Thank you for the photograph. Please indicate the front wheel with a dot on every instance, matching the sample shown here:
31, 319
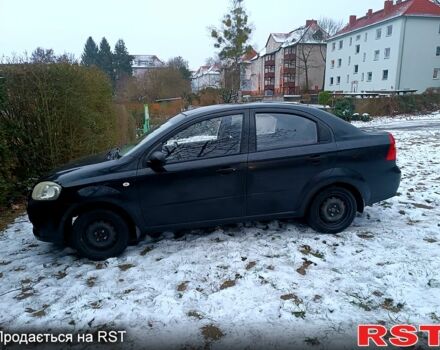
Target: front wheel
100, 234
332, 210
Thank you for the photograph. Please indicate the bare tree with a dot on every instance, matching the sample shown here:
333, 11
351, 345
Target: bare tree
330, 27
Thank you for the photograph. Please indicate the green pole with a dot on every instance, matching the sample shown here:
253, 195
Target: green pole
146, 126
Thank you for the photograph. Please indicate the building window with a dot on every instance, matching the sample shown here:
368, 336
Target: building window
438, 51
365, 56
387, 53
378, 33
358, 37
338, 80
351, 41
376, 55
341, 44
348, 78
369, 76
358, 49
356, 69
389, 30
331, 81
385, 74
362, 77
339, 62
436, 74
349, 60
333, 46
332, 64
366, 37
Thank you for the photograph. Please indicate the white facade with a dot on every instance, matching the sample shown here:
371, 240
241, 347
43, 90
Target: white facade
141, 64
399, 53
206, 76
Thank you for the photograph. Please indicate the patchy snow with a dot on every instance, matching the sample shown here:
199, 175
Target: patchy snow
243, 285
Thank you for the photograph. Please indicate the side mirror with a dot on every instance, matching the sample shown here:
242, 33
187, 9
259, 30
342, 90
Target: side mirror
156, 159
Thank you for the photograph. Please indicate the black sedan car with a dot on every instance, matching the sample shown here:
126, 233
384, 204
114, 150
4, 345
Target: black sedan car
218, 165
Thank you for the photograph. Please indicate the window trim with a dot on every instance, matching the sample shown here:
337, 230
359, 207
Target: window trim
244, 145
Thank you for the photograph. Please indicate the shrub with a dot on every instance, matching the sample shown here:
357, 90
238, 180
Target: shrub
324, 98
344, 108
51, 114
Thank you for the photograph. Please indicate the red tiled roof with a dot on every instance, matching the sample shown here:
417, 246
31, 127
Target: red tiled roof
400, 8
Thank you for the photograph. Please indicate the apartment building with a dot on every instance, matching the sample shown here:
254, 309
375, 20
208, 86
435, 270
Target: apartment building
290, 63
396, 48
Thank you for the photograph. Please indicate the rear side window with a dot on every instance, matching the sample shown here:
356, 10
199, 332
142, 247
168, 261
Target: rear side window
279, 130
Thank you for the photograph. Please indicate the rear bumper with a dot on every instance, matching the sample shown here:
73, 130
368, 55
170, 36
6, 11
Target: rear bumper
47, 221
385, 186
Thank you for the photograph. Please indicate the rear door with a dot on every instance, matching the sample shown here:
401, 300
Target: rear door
287, 151
204, 175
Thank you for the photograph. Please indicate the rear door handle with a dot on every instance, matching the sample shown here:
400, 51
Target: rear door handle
225, 171
315, 159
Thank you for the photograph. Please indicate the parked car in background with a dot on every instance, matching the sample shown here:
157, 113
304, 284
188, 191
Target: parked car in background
216, 165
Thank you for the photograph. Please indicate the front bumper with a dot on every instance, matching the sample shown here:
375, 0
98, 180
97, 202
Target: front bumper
48, 221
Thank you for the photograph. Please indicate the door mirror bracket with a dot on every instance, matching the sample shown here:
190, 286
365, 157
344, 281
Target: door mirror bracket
156, 160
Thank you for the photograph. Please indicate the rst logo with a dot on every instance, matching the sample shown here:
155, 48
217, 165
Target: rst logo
402, 335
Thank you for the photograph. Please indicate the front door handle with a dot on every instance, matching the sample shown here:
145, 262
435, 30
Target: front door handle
225, 171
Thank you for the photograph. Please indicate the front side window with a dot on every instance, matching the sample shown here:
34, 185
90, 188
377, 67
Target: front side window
358, 49
369, 76
209, 138
436, 74
385, 74
437, 52
278, 130
387, 52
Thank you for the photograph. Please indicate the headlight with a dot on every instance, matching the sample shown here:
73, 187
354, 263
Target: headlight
46, 191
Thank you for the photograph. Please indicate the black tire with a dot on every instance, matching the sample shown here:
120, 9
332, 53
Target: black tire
332, 210
99, 234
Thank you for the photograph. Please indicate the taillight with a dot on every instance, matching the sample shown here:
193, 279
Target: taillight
392, 152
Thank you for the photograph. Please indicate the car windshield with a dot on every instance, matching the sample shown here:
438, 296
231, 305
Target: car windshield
130, 149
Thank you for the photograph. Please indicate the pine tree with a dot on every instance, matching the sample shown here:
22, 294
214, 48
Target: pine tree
122, 60
105, 58
231, 38
90, 54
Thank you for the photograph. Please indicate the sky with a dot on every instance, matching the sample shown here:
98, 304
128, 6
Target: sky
165, 28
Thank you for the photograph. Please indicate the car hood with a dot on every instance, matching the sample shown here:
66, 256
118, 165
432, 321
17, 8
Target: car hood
89, 169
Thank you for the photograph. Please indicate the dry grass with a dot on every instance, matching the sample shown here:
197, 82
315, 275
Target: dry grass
212, 333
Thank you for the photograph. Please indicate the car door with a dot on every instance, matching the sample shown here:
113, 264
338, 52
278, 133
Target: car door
203, 179
287, 151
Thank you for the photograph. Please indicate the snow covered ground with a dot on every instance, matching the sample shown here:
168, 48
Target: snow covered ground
256, 285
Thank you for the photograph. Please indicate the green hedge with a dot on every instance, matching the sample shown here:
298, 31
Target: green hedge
51, 114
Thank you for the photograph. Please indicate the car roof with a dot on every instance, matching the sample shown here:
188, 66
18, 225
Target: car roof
230, 107
340, 127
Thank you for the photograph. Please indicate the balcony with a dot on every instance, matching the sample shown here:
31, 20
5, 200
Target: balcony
269, 75
269, 87
289, 70
289, 57
269, 63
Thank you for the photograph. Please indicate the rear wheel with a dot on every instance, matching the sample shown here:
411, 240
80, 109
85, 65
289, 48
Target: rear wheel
332, 210
100, 234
